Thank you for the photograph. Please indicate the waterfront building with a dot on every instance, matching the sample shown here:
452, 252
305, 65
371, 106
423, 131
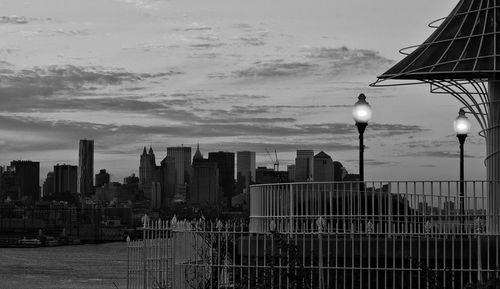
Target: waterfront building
304, 166
27, 174
146, 170
245, 166
9, 184
265, 175
168, 179
102, 178
339, 172
225, 164
182, 159
86, 167
323, 168
204, 187
65, 179
48, 185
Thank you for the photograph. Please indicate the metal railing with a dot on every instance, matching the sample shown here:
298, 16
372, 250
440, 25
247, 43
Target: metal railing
390, 235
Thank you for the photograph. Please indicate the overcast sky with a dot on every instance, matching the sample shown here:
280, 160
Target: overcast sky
228, 74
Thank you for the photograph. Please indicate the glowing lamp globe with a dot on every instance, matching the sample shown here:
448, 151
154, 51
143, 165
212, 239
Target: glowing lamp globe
462, 124
362, 112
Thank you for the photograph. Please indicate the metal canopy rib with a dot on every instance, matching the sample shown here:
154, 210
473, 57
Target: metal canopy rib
458, 58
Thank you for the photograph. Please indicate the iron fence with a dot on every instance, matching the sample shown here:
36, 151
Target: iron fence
379, 237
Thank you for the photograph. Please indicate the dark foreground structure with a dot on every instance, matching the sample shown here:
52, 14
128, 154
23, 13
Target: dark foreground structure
328, 235
462, 58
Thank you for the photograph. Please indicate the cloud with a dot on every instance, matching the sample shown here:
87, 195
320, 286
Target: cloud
43, 87
275, 68
439, 154
14, 20
279, 146
394, 129
349, 129
319, 61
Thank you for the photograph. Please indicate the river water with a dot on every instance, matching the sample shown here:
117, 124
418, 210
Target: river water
67, 267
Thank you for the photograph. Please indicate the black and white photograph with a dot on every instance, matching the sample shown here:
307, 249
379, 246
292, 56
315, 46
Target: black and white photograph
196, 144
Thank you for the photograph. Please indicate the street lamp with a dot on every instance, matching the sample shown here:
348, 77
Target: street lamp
362, 113
462, 128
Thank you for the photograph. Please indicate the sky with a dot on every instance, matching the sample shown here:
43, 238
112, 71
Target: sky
227, 74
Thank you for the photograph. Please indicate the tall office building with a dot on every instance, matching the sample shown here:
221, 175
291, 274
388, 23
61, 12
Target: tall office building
146, 170
304, 166
245, 166
168, 180
86, 168
323, 168
27, 174
65, 179
225, 164
204, 186
182, 159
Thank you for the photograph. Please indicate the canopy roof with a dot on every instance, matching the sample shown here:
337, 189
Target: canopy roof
465, 46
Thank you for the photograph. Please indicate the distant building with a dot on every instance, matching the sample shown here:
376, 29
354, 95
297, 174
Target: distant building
146, 170
323, 168
182, 159
339, 172
10, 184
265, 175
225, 164
448, 208
245, 166
168, 180
304, 166
156, 195
27, 174
102, 178
204, 186
86, 167
65, 179
48, 185
291, 173
131, 180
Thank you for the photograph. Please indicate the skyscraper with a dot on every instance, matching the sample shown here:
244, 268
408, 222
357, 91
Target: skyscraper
65, 179
323, 168
168, 180
146, 169
225, 164
204, 186
86, 167
27, 174
182, 156
304, 166
245, 166
28, 178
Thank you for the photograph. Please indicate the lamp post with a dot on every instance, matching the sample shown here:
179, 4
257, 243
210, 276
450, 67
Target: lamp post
362, 113
462, 127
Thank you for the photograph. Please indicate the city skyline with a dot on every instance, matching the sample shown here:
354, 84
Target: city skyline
228, 76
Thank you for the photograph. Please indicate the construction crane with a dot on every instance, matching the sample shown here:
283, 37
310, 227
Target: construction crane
276, 162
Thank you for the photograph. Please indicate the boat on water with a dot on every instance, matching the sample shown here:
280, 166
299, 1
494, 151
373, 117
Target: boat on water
29, 242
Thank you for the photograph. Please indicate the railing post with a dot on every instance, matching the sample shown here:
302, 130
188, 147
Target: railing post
144, 255
291, 208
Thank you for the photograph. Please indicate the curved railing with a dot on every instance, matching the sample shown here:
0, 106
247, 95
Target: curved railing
396, 207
